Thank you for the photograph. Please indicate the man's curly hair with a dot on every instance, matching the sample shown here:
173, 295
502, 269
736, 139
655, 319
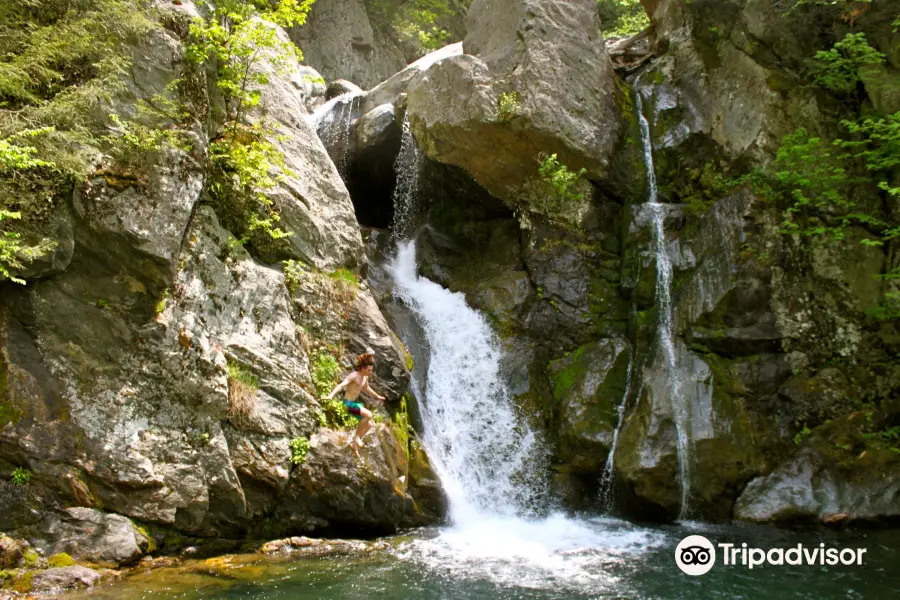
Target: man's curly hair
365, 360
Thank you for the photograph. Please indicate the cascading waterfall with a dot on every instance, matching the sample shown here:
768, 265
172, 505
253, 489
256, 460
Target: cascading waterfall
491, 464
407, 166
487, 456
333, 122
606, 481
680, 409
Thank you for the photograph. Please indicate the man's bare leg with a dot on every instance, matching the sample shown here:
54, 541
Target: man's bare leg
364, 425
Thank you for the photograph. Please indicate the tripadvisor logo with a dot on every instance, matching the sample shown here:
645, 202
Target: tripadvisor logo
695, 555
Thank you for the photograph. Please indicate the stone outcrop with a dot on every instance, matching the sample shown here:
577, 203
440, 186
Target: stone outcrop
340, 42
531, 51
162, 371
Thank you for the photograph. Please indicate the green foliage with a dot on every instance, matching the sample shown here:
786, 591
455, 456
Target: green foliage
236, 372
245, 168
345, 276
337, 415
238, 36
299, 449
838, 69
325, 373
622, 18
415, 22
813, 174
802, 435
561, 179
20, 476
61, 61
508, 107
293, 274
163, 302
556, 194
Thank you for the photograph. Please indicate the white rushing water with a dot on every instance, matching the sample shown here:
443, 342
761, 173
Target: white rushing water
333, 122
406, 166
607, 499
680, 409
492, 465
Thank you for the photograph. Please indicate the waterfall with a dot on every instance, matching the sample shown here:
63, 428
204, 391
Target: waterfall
487, 456
606, 487
333, 122
406, 166
679, 407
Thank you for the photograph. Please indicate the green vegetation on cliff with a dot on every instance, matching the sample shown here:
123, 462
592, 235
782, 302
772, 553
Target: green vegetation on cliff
619, 18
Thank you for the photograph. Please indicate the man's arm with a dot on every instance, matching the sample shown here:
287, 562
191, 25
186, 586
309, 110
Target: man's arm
340, 386
373, 393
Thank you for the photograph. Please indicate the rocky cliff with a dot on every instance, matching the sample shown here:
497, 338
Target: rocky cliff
784, 368
161, 372
159, 376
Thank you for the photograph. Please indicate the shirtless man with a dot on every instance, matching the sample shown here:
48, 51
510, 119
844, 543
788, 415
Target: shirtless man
356, 382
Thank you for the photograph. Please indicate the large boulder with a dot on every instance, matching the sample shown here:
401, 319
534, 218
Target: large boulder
550, 57
165, 373
92, 536
311, 199
834, 477
64, 578
340, 42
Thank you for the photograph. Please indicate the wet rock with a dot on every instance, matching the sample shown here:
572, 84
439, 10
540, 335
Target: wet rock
311, 86
589, 385
826, 484
340, 87
65, 578
320, 547
391, 90
431, 503
90, 535
453, 107
334, 489
724, 447
340, 42
12, 551
377, 128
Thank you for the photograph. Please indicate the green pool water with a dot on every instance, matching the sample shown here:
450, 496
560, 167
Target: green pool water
549, 559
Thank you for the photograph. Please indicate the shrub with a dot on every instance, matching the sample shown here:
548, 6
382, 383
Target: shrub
20, 476
620, 18
299, 449
508, 107
242, 388
838, 69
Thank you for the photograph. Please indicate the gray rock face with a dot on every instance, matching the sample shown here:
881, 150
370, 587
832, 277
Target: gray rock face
532, 49
811, 487
92, 536
65, 578
376, 128
589, 384
312, 200
118, 373
340, 42
391, 89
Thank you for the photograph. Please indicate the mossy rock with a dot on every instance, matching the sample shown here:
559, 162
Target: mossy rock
60, 560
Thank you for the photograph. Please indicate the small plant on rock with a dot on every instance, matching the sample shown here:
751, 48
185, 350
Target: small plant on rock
242, 388
508, 107
299, 449
20, 476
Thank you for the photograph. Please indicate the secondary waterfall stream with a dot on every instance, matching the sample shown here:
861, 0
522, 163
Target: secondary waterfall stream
333, 122
665, 333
